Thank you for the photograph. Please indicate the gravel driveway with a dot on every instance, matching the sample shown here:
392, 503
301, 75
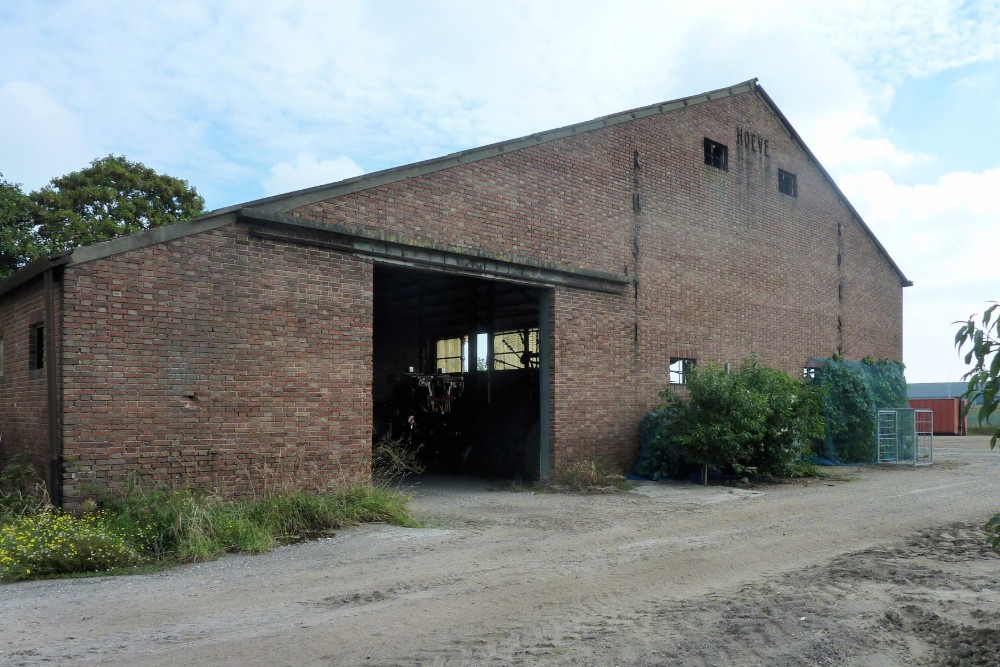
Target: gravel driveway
880, 567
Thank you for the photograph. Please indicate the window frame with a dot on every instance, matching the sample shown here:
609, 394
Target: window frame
716, 154
463, 355
788, 183
530, 354
36, 348
679, 376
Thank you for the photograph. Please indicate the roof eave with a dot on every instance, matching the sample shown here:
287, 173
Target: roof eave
282, 203
904, 281
33, 270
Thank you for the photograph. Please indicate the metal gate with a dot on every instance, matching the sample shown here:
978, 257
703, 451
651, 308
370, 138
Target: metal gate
906, 436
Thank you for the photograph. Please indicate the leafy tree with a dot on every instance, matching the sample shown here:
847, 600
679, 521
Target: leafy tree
18, 242
984, 378
984, 353
110, 198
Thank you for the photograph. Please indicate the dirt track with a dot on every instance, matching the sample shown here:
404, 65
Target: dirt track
885, 568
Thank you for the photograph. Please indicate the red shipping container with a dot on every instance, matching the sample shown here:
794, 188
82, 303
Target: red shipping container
948, 418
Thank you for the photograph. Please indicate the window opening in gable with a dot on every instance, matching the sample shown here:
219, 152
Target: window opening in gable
787, 183
680, 369
515, 349
36, 347
716, 154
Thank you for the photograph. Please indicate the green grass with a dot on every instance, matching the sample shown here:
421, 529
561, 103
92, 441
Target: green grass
158, 527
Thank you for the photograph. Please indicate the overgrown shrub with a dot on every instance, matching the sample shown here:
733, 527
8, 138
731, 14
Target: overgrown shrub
793, 420
393, 459
757, 420
20, 491
854, 392
189, 526
159, 525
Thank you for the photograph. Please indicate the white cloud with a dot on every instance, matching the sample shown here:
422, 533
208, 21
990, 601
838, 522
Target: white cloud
308, 172
896, 39
40, 133
944, 237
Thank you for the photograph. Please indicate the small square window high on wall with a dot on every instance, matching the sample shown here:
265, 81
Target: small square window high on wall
787, 183
680, 369
716, 154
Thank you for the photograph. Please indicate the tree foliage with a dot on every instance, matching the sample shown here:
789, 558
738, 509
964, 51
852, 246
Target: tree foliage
757, 420
854, 392
983, 339
18, 242
850, 408
110, 198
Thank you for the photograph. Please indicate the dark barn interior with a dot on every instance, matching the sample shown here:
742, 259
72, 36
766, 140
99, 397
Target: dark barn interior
456, 371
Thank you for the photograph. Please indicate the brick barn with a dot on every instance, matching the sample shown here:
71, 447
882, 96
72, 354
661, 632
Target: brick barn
526, 301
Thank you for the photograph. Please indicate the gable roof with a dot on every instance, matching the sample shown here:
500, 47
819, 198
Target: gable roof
274, 206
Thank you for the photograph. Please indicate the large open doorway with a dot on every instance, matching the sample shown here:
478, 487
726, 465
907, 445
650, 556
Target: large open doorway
459, 369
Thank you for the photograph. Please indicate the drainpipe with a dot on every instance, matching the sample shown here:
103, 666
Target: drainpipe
53, 394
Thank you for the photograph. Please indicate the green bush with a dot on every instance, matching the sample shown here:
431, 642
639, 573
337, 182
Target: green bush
50, 542
793, 421
757, 420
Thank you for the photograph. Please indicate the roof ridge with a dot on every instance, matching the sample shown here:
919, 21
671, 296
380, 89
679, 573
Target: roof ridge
306, 196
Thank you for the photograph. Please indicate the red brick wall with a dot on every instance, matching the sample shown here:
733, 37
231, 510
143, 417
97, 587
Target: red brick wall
230, 362
873, 315
23, 393
219, 361
595, 412
726, 266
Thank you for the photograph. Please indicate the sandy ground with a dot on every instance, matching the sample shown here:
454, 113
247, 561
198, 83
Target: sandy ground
884, 567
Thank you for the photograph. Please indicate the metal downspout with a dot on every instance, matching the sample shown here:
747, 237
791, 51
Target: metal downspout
51, 382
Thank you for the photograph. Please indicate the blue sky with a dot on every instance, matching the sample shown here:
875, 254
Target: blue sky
899, 100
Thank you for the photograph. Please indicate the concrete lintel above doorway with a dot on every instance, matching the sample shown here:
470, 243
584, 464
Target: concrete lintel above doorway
390, 249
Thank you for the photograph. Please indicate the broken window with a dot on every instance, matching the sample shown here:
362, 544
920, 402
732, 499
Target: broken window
452, 355
716, 154
36, 347
787, 183
515, 349
680, 369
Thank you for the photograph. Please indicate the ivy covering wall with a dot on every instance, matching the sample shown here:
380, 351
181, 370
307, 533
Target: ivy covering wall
853, 393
